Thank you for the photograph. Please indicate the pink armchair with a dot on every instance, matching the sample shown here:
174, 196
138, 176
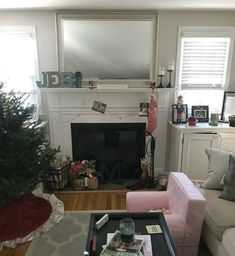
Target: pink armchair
183, 206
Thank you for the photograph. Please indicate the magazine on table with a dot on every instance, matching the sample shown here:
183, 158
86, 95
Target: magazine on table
115, 247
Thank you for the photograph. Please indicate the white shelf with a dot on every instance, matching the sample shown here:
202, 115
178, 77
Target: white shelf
203, 128
86, 90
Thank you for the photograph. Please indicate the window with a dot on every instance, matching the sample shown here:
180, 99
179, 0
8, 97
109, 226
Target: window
204, 60
204, 57
18, 60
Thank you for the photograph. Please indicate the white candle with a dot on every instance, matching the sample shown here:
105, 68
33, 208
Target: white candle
171, 66
161, 71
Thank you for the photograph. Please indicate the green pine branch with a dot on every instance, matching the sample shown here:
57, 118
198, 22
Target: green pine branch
24, 150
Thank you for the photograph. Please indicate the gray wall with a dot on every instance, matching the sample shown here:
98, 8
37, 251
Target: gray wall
45, 24
169, 21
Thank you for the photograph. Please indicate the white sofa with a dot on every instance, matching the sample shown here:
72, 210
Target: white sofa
218, 229
219, 190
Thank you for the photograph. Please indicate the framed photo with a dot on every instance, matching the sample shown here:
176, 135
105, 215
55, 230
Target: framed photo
99, 106
143, 110
201, 113
228, 107
179, 113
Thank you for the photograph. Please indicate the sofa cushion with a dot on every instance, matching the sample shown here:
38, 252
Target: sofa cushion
219, 213
228, 192
228, 241
218, 164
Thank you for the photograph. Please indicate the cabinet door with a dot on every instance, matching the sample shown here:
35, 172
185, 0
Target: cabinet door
227, 141
194, 158
175, 150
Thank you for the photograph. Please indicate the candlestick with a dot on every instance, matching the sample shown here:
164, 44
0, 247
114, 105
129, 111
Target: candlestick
169, 84
160, 84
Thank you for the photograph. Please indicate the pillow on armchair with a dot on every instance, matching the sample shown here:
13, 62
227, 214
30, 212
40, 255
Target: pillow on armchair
228, 192
218, 164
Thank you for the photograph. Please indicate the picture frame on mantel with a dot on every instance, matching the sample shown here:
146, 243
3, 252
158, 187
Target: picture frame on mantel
228, 107
201, 112
179, 116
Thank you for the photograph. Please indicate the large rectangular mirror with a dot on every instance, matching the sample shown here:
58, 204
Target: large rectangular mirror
109, 47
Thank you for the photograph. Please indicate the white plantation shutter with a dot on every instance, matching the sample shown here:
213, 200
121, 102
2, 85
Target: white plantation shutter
203, 62
204, 57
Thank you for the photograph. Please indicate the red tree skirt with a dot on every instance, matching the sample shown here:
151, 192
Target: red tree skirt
23, 216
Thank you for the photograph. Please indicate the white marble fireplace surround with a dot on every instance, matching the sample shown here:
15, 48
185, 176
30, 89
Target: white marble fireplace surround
64, 106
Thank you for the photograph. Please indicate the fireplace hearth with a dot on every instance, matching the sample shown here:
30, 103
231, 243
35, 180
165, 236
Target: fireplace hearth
116, 147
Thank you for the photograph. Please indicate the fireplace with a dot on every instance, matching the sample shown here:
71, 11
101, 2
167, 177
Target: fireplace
116, 147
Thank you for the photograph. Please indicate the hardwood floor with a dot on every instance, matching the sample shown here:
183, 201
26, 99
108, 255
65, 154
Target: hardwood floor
95, 200
83, 200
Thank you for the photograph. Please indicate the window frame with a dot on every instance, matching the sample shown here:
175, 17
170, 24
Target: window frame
205, 31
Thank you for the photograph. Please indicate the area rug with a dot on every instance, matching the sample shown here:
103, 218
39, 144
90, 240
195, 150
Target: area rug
66, 238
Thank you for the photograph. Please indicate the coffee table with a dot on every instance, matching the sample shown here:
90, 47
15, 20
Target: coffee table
162, 243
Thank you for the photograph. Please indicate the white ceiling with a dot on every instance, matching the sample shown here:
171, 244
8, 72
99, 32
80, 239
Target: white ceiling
118, 4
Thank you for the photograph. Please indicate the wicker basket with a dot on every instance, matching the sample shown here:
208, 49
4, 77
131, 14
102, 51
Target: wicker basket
57, 179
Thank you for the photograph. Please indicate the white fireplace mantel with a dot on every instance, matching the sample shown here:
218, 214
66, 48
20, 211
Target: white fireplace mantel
64, 106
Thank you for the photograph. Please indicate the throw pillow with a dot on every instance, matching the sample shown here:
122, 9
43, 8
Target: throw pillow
218, 164
228, 192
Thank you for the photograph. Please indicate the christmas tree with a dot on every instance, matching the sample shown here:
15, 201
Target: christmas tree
24, 150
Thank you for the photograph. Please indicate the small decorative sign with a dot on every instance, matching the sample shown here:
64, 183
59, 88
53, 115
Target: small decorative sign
54, 79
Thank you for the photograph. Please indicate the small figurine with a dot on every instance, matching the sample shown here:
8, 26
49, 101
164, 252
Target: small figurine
91, 85
179, 108
153, 85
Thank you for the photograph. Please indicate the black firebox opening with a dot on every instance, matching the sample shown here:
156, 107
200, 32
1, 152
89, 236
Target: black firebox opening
116, 147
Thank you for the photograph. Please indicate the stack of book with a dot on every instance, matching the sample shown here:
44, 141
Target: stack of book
141, 245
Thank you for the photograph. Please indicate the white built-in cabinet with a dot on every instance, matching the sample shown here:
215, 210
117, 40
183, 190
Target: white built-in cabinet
187, 146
